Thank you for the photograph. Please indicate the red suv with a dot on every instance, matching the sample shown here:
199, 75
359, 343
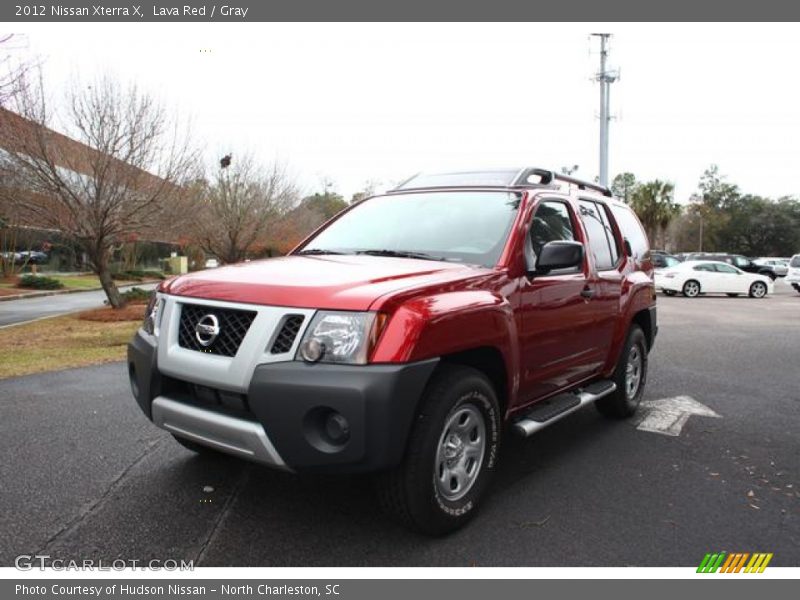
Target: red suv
407, 335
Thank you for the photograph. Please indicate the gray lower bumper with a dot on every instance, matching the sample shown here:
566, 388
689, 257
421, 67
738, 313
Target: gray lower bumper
245, 439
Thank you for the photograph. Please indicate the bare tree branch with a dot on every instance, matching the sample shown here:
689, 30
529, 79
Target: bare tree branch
238, 204
120, 173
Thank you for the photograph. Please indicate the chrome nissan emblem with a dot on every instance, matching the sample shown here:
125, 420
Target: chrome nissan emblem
207, 330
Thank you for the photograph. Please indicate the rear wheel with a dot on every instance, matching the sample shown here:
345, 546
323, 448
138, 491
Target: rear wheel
691, 289
758, 289
630, 377
451, 454
796, 287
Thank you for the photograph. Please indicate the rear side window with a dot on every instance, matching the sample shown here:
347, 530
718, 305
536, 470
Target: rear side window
725, 269
705, 267
601, 236
631, 231
795, 262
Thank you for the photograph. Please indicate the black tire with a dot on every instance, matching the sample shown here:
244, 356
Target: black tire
669, 292
758, 289
796, 287
411, 492
622, 404
691, 289
733, 295
198, 449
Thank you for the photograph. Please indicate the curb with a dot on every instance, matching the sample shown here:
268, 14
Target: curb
62, 292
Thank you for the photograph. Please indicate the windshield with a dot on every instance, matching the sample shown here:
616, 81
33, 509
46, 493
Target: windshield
461, 226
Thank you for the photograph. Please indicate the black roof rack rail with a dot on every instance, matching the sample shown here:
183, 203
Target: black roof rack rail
548, 176
518, 178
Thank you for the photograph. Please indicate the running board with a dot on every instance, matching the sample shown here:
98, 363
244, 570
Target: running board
549, 411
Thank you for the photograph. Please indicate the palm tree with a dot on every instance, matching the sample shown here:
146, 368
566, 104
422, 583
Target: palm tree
654, 205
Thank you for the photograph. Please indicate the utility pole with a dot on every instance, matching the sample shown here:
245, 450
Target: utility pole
605, 78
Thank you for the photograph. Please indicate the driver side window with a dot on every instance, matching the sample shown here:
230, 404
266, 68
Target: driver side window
551, 223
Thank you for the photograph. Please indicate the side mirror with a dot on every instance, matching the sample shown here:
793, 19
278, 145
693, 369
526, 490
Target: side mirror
559, 255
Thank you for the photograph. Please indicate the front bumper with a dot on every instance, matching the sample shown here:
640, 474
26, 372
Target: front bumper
284, 420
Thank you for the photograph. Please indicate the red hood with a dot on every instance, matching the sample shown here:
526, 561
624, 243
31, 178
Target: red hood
334, 282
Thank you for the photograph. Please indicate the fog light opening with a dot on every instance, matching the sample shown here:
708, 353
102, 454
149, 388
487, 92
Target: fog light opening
337, 428
326, 429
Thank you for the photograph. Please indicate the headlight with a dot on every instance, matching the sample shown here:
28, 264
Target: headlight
341, 337
151, 313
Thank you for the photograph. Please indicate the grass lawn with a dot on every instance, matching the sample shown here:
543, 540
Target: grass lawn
83, 282
64, 342
70, 282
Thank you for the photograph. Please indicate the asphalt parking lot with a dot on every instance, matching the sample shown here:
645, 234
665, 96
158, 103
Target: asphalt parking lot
85, 475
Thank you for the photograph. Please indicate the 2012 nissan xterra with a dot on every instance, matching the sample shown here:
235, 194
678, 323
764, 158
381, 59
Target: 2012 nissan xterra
407, 335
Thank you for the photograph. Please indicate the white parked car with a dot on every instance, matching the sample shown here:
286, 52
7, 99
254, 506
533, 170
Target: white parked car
793, 276
695, 277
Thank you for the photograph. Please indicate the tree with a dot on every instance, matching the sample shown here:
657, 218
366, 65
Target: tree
624, 185
368, 190
654, 205
326, 204
12, 73
237, 206
119, 172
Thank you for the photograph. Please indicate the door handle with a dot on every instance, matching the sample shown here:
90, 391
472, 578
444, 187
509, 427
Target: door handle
587, 292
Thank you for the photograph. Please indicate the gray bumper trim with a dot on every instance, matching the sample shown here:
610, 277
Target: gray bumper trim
241, 438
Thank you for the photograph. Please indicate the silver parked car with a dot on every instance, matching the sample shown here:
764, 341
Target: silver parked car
779, 266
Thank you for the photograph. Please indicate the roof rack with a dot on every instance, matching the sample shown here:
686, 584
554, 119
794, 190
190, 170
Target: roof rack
492, 178
548, 176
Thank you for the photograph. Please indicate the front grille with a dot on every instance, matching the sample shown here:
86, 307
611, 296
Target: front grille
233, 325
287, 334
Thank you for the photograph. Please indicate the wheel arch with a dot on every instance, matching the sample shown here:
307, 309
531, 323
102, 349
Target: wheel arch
488, 360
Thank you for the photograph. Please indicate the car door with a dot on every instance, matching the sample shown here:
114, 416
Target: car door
706, 274
730, 279
557, 325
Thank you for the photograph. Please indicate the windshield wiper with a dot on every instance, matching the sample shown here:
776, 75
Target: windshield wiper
401, 254
317, 251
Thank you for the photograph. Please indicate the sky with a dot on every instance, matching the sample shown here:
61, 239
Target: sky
358, 103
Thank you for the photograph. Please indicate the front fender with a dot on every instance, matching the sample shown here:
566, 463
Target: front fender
450, 322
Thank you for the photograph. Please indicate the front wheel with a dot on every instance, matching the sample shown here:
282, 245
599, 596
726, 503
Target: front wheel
451, 454
758, 289
691, 289
630, 377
